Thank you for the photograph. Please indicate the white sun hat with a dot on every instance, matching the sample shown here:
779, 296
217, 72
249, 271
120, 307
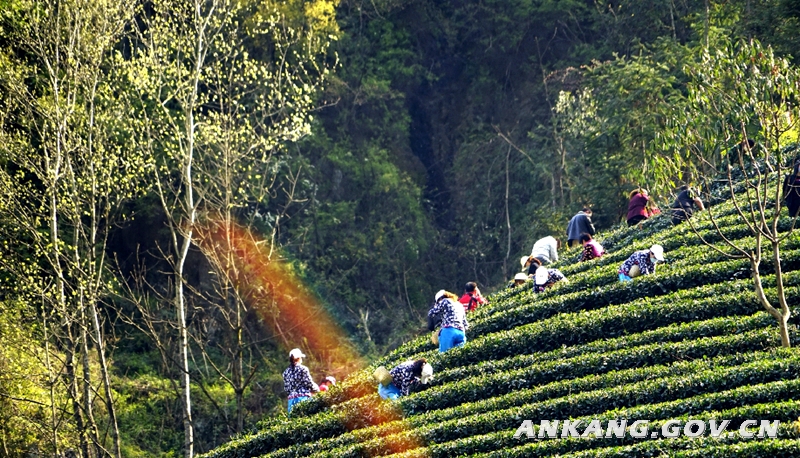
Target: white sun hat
296, 354
427, 373
658, 252
541, 275
439, 295
521, 276
523, 260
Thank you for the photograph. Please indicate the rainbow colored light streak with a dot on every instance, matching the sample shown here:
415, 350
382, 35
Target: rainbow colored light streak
292, 311
272, 288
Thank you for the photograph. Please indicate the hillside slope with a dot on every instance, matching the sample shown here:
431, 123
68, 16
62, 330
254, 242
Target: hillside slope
690, 342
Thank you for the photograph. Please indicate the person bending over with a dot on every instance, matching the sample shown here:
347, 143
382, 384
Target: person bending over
642, 262
454, 320
403, 377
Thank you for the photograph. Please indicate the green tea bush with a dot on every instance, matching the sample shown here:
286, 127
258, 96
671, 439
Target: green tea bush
668, 334
506, 445
522, 396
689, 342
587, 403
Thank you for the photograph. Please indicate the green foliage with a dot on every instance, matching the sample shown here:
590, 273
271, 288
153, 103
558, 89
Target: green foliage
147, 409
680, 344
25, 398
448, 139
739, 90
665, 335
365, 234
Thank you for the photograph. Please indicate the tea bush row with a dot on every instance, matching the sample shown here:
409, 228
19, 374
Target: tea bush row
417, 416
567, 329
574, 328
302, 430
668, 334
701, 409
586, 403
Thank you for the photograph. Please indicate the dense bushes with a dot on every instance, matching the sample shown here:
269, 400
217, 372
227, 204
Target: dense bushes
688, 342
588, 403
672, 333
419, 417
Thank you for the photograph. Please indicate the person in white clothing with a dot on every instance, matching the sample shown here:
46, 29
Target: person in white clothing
546, 249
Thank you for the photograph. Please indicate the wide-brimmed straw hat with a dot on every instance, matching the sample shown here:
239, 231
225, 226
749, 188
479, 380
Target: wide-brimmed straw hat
382, 376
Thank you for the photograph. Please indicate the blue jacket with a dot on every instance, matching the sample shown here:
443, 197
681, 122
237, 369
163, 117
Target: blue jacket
579, 224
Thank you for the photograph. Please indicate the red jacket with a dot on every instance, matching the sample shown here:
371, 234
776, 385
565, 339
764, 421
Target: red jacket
471, 302
638, 206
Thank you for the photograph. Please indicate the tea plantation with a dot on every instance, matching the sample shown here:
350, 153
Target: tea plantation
690, 342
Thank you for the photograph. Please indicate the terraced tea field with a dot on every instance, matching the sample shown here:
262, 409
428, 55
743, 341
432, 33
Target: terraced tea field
690, 342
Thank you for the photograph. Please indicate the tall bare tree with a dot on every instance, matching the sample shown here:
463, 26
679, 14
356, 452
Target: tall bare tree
68, 176
744, 110
213, 116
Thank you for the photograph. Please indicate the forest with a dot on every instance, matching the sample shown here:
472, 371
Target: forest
190, 188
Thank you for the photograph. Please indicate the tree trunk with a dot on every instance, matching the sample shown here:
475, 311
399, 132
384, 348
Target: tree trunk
238, 364
88, 410
54, 161
762, 297
51, 381
179, 279
109, 399
783, 324
96, 269
72, 391
785, 312
508, 217
83, 348
180, 304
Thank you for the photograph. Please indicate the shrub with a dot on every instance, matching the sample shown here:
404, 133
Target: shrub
587, 403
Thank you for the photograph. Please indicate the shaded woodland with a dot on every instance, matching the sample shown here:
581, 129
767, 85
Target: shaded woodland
159, 157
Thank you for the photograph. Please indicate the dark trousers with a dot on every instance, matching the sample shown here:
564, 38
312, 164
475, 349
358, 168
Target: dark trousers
636, 220
793, 204
680, 215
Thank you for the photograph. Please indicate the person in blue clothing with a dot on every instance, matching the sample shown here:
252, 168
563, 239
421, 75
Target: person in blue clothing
404, 376
642, 262
297, 380
579, 224
454, 320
